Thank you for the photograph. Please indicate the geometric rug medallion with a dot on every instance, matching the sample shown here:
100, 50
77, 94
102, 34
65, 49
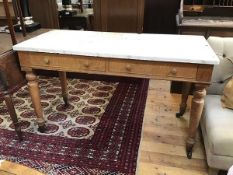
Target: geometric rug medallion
98, 133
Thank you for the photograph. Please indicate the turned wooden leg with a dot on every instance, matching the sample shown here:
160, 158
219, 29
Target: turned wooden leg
35, 95
185, 93
13, 115
62, 76
195, 116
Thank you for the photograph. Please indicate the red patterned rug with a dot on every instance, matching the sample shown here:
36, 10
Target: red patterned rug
98, 133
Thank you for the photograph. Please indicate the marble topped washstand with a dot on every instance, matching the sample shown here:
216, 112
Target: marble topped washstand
170, 57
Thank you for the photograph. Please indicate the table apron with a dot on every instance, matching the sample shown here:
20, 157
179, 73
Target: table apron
196, 73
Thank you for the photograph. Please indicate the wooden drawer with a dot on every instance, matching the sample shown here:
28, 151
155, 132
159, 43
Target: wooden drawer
135, 67
122, 67
181, 70
56, 61
153, 69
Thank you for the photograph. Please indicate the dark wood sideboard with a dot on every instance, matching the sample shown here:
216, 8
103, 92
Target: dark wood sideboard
45, 12
207, 18
192, 26
119, 16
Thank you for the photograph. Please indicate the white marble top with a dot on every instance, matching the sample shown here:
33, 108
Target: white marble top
151, 47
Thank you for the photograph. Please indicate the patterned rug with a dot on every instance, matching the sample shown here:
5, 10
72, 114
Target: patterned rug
98, 133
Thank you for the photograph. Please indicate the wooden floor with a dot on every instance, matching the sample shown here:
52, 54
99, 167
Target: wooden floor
9, 168
162, 149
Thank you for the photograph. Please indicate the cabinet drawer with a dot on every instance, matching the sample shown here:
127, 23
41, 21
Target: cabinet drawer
181, 70
56, 61
153, 69
135, 67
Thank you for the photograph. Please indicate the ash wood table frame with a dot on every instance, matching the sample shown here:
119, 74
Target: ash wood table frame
199, 74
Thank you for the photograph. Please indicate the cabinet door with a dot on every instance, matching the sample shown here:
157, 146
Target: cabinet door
119, 15
45, 12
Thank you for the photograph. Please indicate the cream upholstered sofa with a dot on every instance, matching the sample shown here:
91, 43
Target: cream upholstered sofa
217, 122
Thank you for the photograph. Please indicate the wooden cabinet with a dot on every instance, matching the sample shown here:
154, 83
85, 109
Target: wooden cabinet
45, 12
209, 27
119, 15
207, 18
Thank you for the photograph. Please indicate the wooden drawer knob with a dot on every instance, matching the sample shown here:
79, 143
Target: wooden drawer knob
86, 65
46, 61
173, 71
128, 67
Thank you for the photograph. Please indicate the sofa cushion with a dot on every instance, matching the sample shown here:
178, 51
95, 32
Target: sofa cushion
222, 72
218, 123
227, 98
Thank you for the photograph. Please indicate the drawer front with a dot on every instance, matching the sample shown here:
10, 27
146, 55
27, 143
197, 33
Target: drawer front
135, 67
109, 66
181, 70
71, 63
165, 70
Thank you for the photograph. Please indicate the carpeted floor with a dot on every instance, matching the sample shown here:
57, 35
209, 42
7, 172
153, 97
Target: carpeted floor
98, 133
